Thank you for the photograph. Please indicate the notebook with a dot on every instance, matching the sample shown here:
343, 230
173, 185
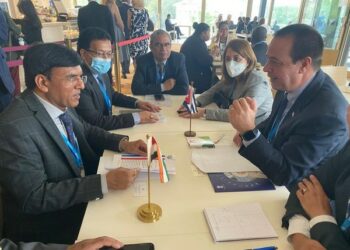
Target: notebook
238, 222
200, 142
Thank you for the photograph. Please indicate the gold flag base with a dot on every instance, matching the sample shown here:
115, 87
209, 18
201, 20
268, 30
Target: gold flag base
149, 213
190, 133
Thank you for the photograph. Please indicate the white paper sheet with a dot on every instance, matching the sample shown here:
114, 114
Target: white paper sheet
222, 158
239, 222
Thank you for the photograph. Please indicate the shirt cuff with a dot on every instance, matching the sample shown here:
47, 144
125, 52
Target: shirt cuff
124, 139
162, 87
298, 224
104, 186
136, 102
322, 218
137, 118
247, 143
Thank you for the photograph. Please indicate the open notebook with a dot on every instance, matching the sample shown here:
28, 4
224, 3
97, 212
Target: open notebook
238, 222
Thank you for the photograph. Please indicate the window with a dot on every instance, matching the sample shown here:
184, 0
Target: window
284, 13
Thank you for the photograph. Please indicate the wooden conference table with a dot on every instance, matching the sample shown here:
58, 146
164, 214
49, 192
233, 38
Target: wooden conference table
183, 198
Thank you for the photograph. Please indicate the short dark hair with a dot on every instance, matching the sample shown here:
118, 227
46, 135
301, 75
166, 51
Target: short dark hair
91, 34
199, 28
307, 42
41, 58
259, 34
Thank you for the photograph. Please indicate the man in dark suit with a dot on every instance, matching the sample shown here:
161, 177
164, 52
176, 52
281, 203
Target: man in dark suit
49, 157
259, 44
307, 124
161, 70
96, 15
311, 222
6, 84
96, 100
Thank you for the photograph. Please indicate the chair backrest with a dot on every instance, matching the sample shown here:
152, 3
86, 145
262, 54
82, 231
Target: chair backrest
329, 56
337, 73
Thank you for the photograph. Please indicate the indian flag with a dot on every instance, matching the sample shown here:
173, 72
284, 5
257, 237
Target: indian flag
153, 152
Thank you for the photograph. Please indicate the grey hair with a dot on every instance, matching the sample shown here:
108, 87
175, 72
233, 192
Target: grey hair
158, 33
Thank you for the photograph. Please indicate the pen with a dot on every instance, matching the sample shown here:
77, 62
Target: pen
219, 139
181, 111
263, 248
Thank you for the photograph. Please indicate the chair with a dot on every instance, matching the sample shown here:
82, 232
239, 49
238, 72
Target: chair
173, 34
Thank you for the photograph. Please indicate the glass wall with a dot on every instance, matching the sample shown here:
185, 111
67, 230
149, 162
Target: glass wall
183, 13
284, 13
256, 8
236, 8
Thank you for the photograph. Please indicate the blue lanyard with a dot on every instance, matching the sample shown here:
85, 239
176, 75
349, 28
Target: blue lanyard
106, 98
75, 151
345, 226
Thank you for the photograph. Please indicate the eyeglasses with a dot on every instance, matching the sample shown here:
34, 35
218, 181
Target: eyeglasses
76, 78
101, 54
162, 45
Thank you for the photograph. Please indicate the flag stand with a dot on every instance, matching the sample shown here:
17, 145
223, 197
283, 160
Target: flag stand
190, 133
149, 212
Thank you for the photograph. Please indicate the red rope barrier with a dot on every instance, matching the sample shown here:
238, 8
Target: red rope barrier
134, 40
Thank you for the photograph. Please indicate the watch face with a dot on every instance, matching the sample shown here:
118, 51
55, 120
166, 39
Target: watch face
240, 181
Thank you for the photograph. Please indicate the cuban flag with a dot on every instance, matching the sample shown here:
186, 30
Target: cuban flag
190, 101
153, 152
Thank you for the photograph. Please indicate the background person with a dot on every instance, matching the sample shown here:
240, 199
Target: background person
137, 24
123, 9
160, 71
240, 79
219, 42
198, 59
259, 44
30, 25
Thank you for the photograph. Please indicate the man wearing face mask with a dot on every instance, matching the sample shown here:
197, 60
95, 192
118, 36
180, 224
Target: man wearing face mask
96, 100
240, 79
307, 124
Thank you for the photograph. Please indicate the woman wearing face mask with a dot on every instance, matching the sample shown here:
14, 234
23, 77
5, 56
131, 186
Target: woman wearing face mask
240, 79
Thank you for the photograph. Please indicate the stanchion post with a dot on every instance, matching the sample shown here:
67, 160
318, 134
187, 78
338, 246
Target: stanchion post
117, 68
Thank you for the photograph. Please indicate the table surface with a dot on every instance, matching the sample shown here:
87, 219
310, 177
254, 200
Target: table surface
182, 199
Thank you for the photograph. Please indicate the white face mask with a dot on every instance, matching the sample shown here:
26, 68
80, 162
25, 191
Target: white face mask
235, 68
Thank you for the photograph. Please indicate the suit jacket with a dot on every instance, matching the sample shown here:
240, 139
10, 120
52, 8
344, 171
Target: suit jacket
145, 78
260, 50
43, 194
334, 177
7, 244
198, 63
256, 86
93, 109
96, 15
313, 130
123, 9
6, 84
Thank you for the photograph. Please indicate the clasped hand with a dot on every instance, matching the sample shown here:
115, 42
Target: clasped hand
242, 114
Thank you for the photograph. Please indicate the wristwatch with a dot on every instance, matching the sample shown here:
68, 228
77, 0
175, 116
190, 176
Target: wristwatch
250, 134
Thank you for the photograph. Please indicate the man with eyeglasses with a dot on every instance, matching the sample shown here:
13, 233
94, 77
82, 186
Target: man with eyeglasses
98, 97
49, 157
160, 71
307, 124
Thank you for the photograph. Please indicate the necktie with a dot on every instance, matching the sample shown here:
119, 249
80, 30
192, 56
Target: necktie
160, 72
68, 124
278, 119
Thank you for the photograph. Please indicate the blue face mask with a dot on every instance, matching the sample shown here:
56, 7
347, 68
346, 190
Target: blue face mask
101, 65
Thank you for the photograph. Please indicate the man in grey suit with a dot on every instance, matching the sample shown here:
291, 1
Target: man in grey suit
49, 157
307, 124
